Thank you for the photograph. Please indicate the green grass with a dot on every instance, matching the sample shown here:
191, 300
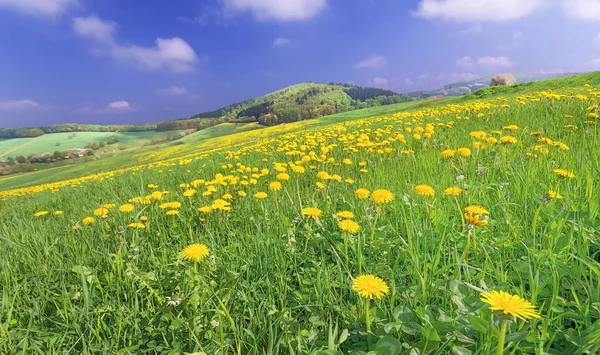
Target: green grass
47, 142
278, 282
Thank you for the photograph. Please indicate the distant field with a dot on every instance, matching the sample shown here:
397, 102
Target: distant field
47, 142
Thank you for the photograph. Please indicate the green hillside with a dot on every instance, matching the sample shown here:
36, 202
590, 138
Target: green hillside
307, 100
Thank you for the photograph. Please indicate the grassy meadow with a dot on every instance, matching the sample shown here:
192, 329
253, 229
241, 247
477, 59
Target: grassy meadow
347, 235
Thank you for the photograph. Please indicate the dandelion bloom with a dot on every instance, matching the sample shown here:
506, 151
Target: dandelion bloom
563, 173
349, 226
101, 212
275, 186
40, 213
448, 153
362, 193
152, 186
241, 193
126, 208
382, 196
195, 252
283, 176
189, 193
320, 185
475, 220
88, 220
511, 127
260, 195
476, 210
227, 197
508, 140
510, 304
205, 209
75, 227
58, 213
478, 145
424, 190
370, 286
137, 225
345, 214
171, 205
312, 212
453, 191
144, 219
465, 152
347, 161
172, 212
554, 195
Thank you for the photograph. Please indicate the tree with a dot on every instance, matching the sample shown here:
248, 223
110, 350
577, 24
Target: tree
21, 159
101, 144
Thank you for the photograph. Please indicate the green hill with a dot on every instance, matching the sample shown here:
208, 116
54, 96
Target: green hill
305, 101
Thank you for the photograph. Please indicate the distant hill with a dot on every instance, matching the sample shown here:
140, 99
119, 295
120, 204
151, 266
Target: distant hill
467, 87
305, 101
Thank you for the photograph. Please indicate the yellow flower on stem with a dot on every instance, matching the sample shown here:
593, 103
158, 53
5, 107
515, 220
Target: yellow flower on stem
195, 252
368, 287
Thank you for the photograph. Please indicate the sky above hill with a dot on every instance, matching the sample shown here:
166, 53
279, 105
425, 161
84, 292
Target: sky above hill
111, 61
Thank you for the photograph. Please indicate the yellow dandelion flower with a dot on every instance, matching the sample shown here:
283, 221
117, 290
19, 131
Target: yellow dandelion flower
312, 212
465, 152
506, 303
40, 213
241, 193
475, 220
283, 176
137, 225
144, 219
170, 205
275, 186
381, 196
126, 207
320, 185
75, 227
345, 214
453, 191
88, 220
424, 190
370, 286
508, 140
189, 193
476, 210
448, 153
511, 127
195, 252
349, 226
58, 213
260, 195
101, 212
172, 212
205, 209
554, 195
563, 173
362, 193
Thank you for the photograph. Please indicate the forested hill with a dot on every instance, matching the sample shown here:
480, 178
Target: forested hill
306, 101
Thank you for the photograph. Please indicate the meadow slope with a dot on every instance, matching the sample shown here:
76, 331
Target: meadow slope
379, 235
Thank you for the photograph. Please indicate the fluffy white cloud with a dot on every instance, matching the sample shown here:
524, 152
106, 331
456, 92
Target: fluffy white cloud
374, 61
38, 7
17, 104
583, 9
172, 91
478, 10
279, 10
119, 105
377, 81
281, 41
173, 54
486, 62
93, 27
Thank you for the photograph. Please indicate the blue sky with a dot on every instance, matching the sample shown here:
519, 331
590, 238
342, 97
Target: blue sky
115, 61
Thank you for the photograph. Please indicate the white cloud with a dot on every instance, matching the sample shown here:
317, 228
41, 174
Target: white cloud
583, 9
119, 105
478, 10
408, 82
278, 10
39, 7
173, 54
173, 91
486, 62
374, 61
17, 104
93, 27
281, 41
377, 81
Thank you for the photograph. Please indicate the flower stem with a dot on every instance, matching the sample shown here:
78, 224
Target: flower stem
502, 337
367, 318
468, 245
375, 223
346, 247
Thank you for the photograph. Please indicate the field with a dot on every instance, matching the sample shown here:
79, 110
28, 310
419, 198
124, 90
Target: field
47, 142
387, 234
